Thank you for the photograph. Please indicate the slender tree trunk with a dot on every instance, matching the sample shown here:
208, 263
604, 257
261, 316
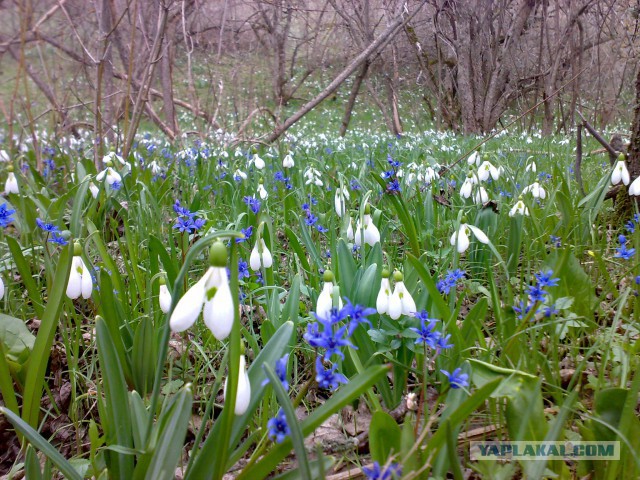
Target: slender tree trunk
352, 98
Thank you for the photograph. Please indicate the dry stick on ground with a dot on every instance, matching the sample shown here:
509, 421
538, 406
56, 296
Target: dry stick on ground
445, 169
379, 43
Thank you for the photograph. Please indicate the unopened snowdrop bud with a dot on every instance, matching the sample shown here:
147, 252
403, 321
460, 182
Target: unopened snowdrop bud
467, 186
164, 296
382, 301
243, 395
11, 185
258, 162
325, 299
474, 158
80, 281
519, 209
262, 191
287, 161
94, 190
620, 173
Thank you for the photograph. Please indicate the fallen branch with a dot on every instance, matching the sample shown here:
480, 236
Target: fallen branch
612, 151
379, 43
577, 168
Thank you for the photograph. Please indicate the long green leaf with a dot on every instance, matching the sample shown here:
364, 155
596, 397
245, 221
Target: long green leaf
39, 359
35, 294
41, 444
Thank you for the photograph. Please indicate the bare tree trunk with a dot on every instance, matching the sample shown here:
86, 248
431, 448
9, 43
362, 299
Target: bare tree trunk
357, 83
166, 78
104, 98
633, 158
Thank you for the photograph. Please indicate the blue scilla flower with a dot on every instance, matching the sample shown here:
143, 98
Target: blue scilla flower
5, 215
47, 227
243, 269
182, 211
328, 379
253, 203
278, 427
321, 229
536, 293
426, 333
357, 314
457, 379
630, 226
281, 372
545, 279
246, 232
57, 239
624, 252
115, 186
376, 472
331, 339
522, 310
393, 186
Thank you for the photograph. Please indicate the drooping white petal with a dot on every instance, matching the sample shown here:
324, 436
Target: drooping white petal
357, 237
465, 189
474, 158
481, 196
218, 312
371, 232
243, 395
382, 300
459, 239
262, 192
87, 281
94, 190
620, 173
254, 258
164, 298
325, 301
634, 188
408, 304
258, 162
479, 234
74, 285
350, 235
190, 305
1, 288
101, 175
395, 304
11, 185
287, 161
267, 258
519, 209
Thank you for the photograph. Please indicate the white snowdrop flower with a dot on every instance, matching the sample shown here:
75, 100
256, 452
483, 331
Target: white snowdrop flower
155, 168
164, 296
11, 185
474, 159
481, 196
94, 190
486, 170
634, 188
531, 167
258, 162
325, 299
4, 156
211, 295
262, 191
80, 281
430, 175
408, 305
1, 288
260, 256
519, 209
350, 235
466, 188
620, 173
243, 395
287, 161
371, 232
460, 238
110, 174
340, 201
239, 174
113, 156
536, 190
382, 300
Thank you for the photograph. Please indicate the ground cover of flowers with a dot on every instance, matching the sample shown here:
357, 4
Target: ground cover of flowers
367, 304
